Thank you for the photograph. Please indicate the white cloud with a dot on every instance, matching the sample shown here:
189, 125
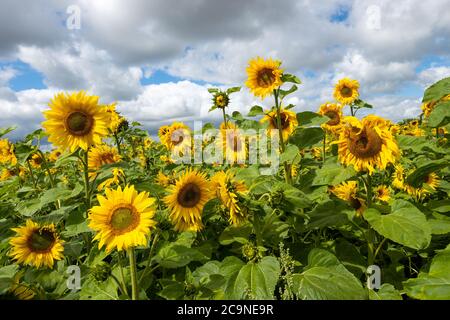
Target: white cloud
429, 76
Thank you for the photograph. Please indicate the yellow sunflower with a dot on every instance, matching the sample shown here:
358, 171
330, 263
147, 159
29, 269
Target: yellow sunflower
382, 193
221, 100
346, 91
228, 190
288, 122
20, 290
428, 107
100, 156
76, 120
162, 179
429, 185
13, 172
163, 134
36, 245
54, 155
347, 192
114, 118
334, 112
36, 161
148, 142
228, 125
367, 144
264, 76
186, 200
178, 139
7, 152
123, 219
234, 145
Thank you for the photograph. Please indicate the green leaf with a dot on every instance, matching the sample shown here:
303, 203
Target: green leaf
255, 111
286, 77
213, 90
233, 89
76, 224
238, 234
306, 137
290, 154
309, 118
94, 290
386, 292
440, 115
325, 278
331, 213
293, 195
406, 225
237, 116
6, 131
438, 90
172, 291
254, 280
416, 178
284, 93
362, 104
332, 174
6, 277
434, 285
214, 107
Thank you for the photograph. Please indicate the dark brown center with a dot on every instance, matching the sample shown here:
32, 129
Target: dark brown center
189, 195
124, 219
79, 123
366, 144
41, 240
355, 203
265, 77
346, 92
334, 118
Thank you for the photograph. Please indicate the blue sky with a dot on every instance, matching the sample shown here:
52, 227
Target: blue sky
157, 58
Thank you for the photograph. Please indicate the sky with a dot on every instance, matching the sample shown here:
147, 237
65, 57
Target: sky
157, 58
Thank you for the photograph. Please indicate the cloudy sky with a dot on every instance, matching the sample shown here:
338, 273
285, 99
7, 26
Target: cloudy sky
157, 58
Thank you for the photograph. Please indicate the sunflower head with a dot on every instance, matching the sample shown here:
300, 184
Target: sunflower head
228, 189
368, 144
7, 155
288, 121
382, 193
346, 91
75, 120
122, 219
264, 76
334, 112
114, 118
100, 156
36, 160
36, 245
178, 138
347, 191
234, 145
221, 100
186, 200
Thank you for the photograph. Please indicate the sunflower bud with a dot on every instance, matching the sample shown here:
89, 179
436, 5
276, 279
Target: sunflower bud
101, 271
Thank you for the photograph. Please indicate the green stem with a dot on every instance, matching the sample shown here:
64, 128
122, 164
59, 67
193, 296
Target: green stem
379, 248
352, 112
133, 273
324, 147
50, 176
120, 285
119, 259
150, 256
224, 118
287, 167
86, 179
32, 174
437, 133
118, 143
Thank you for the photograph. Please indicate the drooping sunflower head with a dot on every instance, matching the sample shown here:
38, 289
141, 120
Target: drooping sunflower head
288, 122
264, 76
36, 245
7, 152
75, 120
221, 99
186, 200
123, 219
428, 107
382, 193
347, 191
228, 189
368, 144
346, 91
100, 156
428, 186
334, 112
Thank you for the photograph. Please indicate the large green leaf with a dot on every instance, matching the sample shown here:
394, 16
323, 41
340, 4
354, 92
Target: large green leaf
254, 280
406, 225
6, 277
325, 278
436, 91
434, 285
306, 137
332, 174
330, 214
440, 115
309, 118
386, 292
416, 178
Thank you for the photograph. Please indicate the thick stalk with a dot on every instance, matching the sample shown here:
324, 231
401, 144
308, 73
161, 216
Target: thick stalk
133, 273
224, 118
117, 143
86, 179
287, 167
352, 111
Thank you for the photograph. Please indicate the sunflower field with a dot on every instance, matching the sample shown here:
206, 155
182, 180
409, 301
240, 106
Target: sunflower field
345, 207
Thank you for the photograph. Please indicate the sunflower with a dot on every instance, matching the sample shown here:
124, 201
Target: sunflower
163, 134
76, 120
148, 142
428, 107
178, 138
228, 190
367, 144
334, 112
429, 185
228, 125
346, 91
382, 193
186, 200
347, 192
36, 245
264, 76
221, 100
163, 180
36, 161
288, 122
7, 152
123, 219
114, 118
100, 156
234, 145
13, 172
54, 155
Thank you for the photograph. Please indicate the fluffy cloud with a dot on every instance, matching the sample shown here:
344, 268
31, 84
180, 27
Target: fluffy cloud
429, 76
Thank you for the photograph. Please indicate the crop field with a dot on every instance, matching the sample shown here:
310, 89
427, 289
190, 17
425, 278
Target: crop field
269, 204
